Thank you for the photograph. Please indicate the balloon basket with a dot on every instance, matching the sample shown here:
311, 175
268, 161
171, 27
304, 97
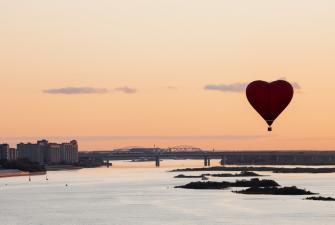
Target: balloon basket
269, 129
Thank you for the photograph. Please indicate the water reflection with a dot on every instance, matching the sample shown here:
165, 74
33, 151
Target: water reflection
139, 193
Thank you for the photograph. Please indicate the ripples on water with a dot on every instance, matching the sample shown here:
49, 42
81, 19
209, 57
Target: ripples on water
139, 194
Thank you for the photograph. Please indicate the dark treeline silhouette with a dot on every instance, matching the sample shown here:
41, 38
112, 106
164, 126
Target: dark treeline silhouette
23, 165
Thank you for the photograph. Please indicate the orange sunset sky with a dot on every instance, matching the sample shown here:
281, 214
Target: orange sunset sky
124, 73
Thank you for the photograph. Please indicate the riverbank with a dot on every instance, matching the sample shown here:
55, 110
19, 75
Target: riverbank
63, 168
19, 173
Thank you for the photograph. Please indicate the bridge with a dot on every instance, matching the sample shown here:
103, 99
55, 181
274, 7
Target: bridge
226, 157
156, 157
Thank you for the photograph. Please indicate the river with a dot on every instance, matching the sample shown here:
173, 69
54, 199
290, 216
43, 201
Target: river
140, 194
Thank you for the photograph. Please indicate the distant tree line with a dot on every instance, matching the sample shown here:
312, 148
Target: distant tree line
23, 165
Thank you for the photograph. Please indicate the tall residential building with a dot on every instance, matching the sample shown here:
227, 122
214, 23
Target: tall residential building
4, 152
53, 154
32, 152
69, 152
7, 153
12, 154
44, 152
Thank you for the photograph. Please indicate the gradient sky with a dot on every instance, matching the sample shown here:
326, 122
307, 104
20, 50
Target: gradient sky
125, 73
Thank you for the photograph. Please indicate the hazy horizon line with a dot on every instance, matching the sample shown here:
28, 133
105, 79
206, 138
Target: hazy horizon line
140, 137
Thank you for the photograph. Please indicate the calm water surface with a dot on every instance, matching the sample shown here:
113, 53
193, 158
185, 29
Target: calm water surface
138, 193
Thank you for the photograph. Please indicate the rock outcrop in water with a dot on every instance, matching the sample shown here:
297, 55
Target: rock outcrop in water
275, 191
223, 185
187, 176
319, 198
241, 174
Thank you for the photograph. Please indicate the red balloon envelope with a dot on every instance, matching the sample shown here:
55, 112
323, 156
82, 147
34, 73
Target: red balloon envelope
270, 99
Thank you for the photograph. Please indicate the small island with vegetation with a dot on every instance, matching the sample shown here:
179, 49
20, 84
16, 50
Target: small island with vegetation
224, 184
275, 191
319, 198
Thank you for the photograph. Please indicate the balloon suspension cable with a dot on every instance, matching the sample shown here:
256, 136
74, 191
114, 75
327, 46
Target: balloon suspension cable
269, 128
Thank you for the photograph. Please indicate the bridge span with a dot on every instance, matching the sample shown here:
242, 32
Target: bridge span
226, 157
156, 157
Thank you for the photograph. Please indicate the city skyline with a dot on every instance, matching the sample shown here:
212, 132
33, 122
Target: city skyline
165, 73
41, 152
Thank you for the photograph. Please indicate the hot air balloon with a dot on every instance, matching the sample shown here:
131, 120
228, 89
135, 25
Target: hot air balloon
270, 99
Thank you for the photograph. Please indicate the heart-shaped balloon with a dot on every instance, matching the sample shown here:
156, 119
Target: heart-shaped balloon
270, 99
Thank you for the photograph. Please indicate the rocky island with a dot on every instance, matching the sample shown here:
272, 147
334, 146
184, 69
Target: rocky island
275, 191
223, 185
319, 198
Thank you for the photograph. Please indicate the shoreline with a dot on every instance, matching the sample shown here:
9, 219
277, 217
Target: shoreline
21, 174
4, 173
63, 168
